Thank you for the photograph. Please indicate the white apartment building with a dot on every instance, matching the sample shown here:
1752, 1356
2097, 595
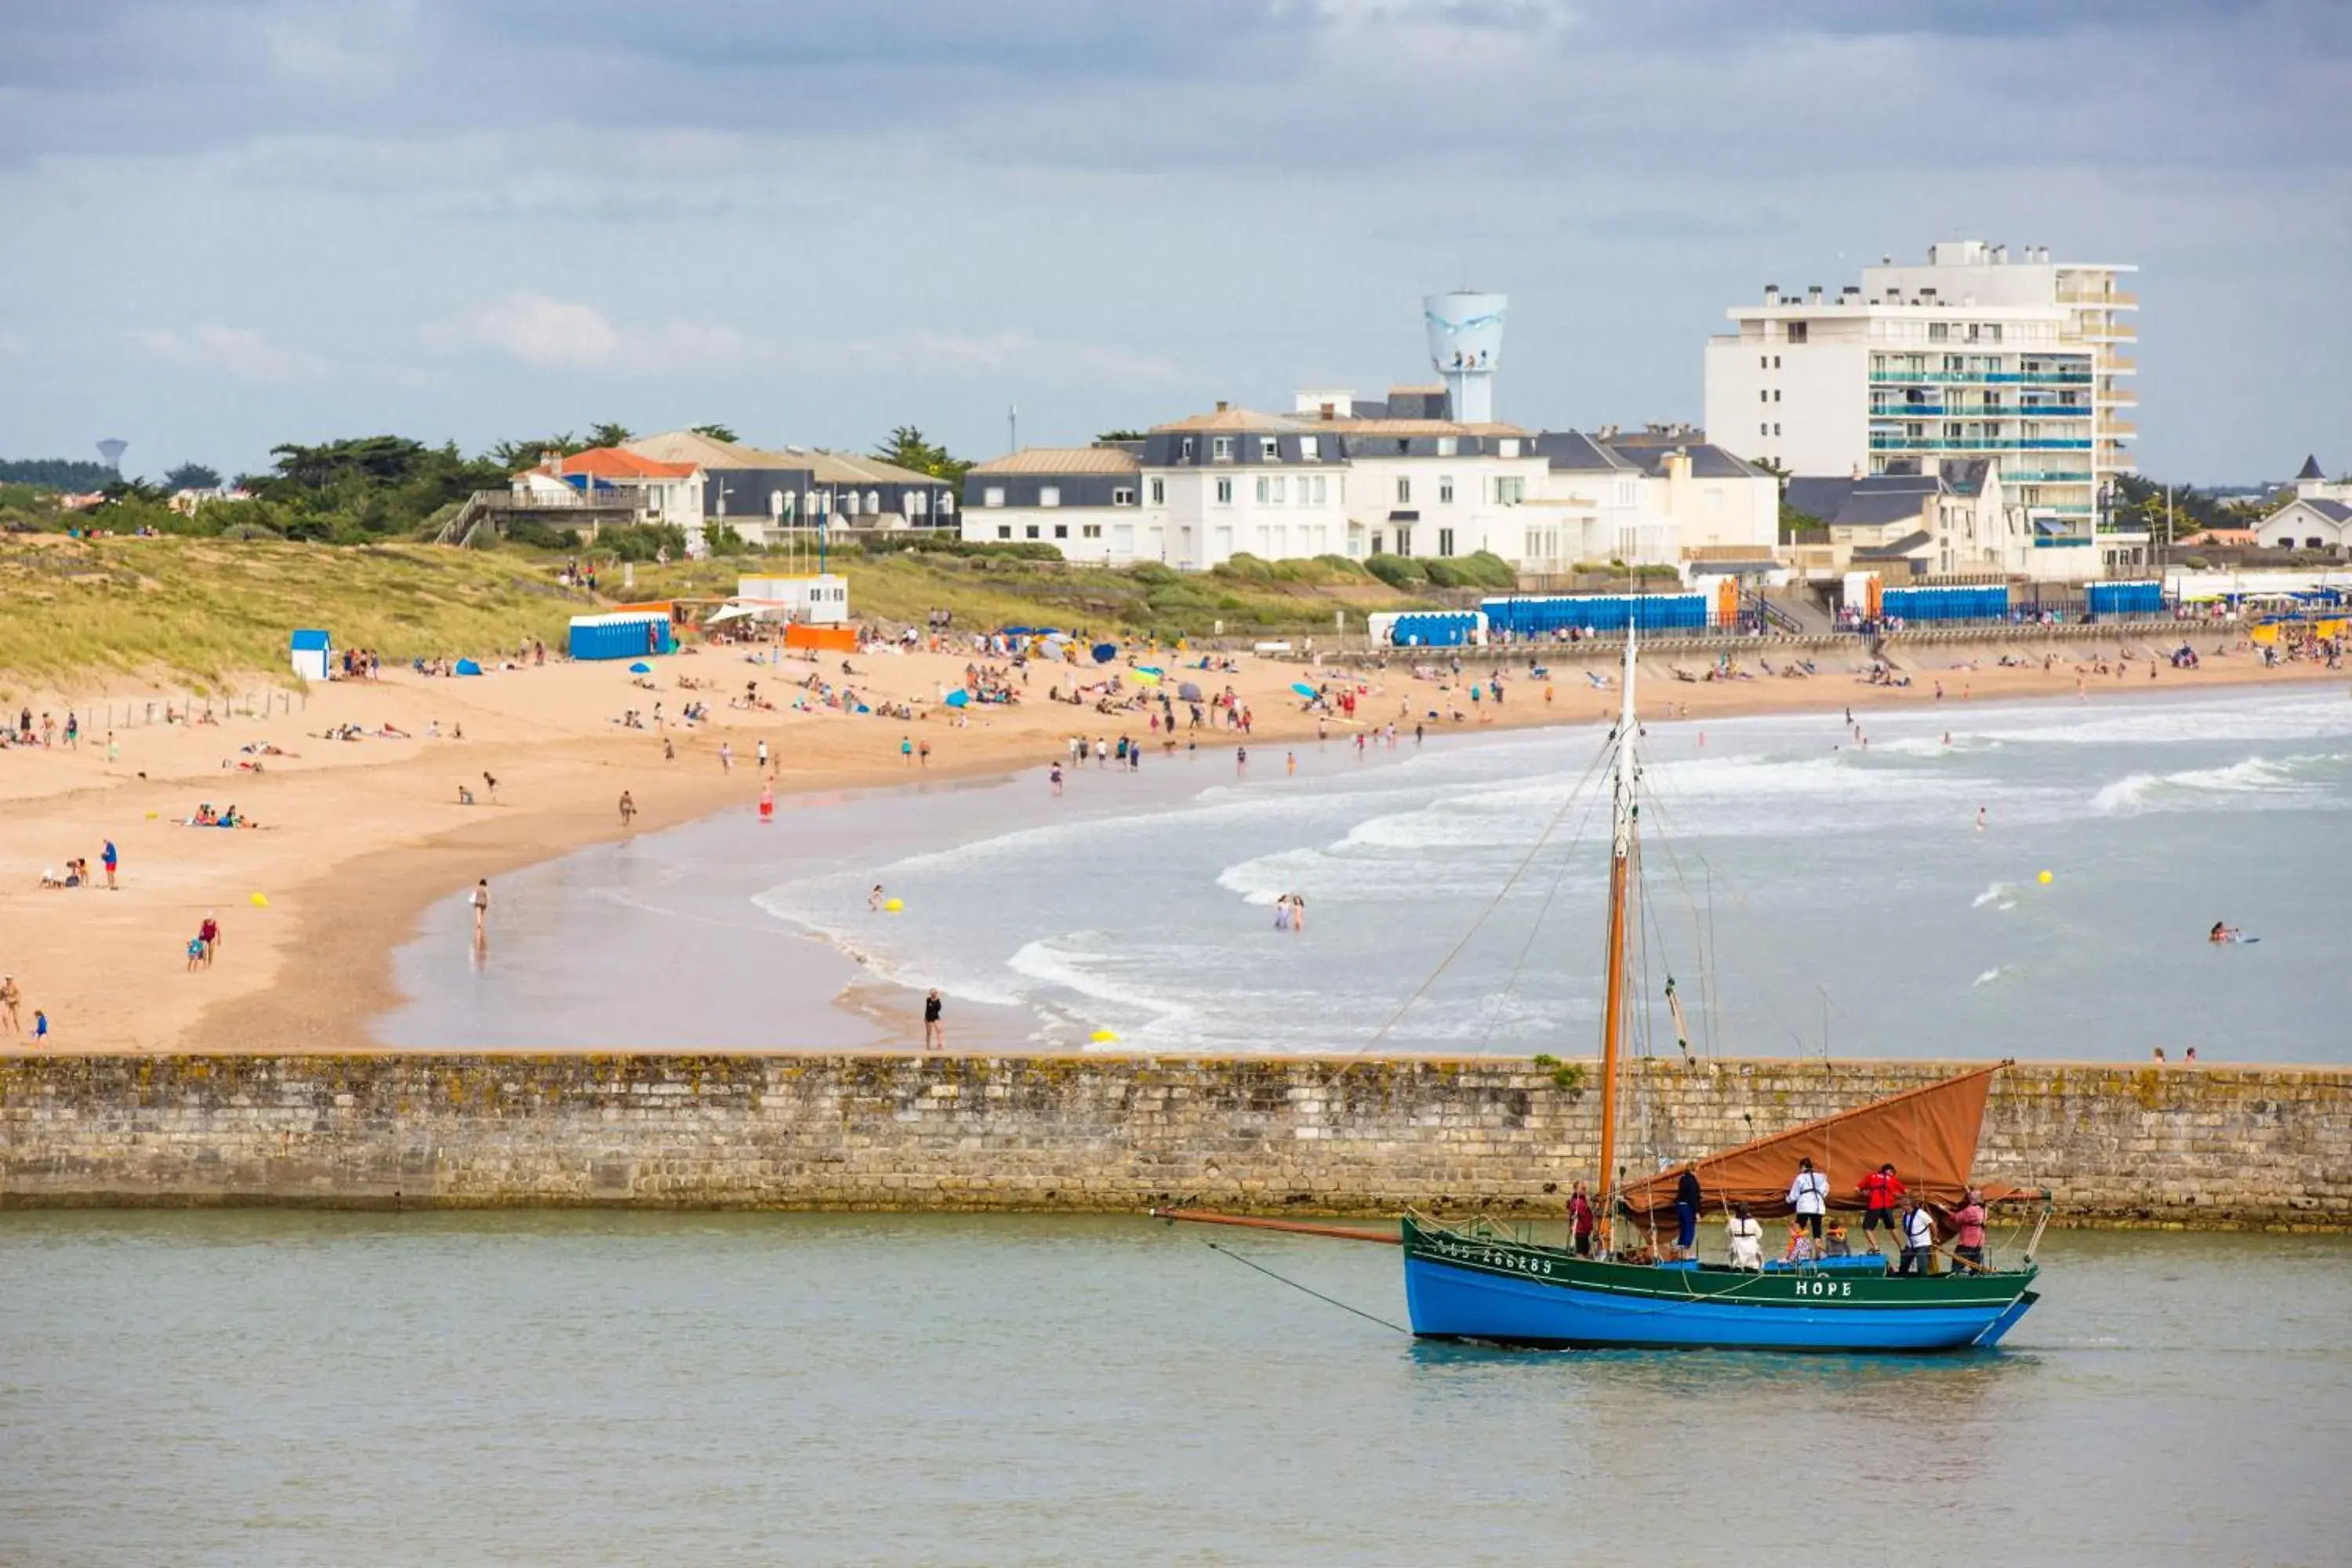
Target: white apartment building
1972, 355
1347, 477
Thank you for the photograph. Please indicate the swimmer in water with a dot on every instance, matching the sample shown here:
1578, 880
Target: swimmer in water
2222, 932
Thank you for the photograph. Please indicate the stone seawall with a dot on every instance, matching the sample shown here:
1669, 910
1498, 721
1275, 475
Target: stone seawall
2197, 1146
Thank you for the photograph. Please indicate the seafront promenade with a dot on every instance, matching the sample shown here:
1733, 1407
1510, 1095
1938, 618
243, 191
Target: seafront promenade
2194, 1147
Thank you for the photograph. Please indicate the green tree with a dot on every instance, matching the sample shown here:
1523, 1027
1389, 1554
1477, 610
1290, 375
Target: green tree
55, 474
193, 477
513, 456
1122, 435
716, 433
610, 435
908, 449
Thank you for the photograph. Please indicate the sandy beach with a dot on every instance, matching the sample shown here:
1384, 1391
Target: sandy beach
356, 838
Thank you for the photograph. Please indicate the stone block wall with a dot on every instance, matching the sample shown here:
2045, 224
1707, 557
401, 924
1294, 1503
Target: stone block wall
2203, 1146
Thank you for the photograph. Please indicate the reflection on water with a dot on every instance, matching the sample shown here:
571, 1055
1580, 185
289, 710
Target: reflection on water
723, 1388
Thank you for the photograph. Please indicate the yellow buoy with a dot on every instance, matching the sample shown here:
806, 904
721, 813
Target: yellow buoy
2043, 879
1103, 1037
894, 905
260, 901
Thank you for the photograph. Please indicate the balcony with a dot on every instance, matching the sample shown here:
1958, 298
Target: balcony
1980, 377
2118, 300
2119, 429
2119, 397
2118, 364
1975, 444
2045, 476
2111, 332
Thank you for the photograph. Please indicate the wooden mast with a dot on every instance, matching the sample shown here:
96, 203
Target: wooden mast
1620, 856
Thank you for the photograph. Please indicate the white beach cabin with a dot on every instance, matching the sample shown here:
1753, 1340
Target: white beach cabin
314, 652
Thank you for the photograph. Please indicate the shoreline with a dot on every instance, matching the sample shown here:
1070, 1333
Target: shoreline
372, 862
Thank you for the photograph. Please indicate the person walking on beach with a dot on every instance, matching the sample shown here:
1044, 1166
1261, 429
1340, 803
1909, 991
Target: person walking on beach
1241, 759
480, 900
766, 804
9, 999
907, 750
40, 1027
764, 753
110, 859
726, 756
628, 810
935, 1033
1054, 777
209, 934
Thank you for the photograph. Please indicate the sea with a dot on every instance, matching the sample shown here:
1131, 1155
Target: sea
1960, 879
262, 1388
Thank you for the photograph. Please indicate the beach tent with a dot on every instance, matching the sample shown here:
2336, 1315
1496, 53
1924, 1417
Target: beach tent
468, 667
959, 697
1188, 691
313, 652
641, 668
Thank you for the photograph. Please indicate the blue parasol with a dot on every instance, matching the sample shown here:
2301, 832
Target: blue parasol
641, 668
1104, 652
1301, 688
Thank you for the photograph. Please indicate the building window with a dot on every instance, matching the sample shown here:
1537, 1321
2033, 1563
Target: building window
1404, 495
1992, 332
1510, 489
1061, 531
1445, 542
1031, 531
1763, 429
1224, 493
1265, 489
1510, 445
1309, 447
1763, 396
1123, 495
1090, 530
1319, 491
1404, 542
1003, 531
1221, 448
874, 503
1776, 429
1280, 485
1447, 445
918, 503
1160, 492
947, 503
1776, 395
1938, 332
1445, 489
1188, 447
1269, 449
1049, 495
1796, 332
993, 496
1763, 362
1775, 362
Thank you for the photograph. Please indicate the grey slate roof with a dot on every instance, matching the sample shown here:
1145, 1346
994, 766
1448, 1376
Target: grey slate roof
2311, 469
2335, 512
1901, 547
1708, 462
1570, 452
1872, 501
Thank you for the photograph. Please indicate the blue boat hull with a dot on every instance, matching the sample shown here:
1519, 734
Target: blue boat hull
1446, 1301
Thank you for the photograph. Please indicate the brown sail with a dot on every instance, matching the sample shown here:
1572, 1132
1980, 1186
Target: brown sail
1928, 1134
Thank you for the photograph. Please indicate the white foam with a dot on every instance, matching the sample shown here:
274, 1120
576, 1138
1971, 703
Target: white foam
1989, 976
1989, 895
2282, 781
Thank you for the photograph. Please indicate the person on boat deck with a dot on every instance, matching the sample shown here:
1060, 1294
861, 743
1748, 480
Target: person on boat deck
1579, 1220
1835, 1246
1918, 1237
1809, 1195
1801, 1248
1970, 1219
1881, 1190
1687, 1198
1747, 1239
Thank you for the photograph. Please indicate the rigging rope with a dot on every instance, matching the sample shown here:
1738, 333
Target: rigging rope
1310, 1291
1492, 904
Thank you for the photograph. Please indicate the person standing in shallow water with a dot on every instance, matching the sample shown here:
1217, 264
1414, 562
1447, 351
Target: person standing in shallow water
935, 1033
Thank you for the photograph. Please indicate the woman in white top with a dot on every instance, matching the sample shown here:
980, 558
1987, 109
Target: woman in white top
1747, 1239
1809, 1195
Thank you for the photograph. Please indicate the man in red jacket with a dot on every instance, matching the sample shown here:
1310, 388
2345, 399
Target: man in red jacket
1882, 1191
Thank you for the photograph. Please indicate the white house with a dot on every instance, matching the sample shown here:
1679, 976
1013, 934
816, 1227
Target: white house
658, 493
2319, 518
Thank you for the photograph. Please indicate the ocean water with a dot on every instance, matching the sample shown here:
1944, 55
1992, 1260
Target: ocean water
267, 1388
1803, 891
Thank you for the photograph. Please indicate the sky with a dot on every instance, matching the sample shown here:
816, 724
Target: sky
233, 223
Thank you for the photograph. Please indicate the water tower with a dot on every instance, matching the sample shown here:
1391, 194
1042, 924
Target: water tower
111, 451
1465, 344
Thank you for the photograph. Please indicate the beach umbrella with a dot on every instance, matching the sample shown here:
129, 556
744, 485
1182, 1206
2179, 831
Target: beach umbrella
641, 668
1148, 676
1151, 669
1188, 691
959, 697
1301, 688
1104, 652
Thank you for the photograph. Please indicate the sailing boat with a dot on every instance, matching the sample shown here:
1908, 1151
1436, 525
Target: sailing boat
1477, 1281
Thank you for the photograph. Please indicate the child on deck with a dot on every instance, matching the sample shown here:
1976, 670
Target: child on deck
1800, 1243
1836, 1245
